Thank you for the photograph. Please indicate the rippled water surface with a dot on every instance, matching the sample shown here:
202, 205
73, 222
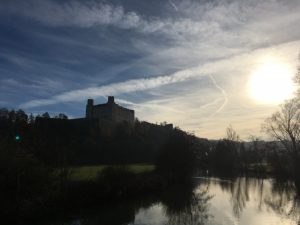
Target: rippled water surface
212, 201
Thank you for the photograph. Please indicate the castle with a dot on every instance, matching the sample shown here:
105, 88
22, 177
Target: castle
109, 111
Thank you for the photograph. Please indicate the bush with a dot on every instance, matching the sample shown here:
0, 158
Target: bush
25, 183
177, 159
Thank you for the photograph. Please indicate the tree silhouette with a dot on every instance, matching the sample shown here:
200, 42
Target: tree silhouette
177, 158
61, 116
46, 115
226, 153
284, 126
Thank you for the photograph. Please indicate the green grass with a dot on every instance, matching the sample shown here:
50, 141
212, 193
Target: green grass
85, 173
141, 168
260, 167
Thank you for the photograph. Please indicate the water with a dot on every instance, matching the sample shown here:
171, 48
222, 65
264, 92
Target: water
211, 201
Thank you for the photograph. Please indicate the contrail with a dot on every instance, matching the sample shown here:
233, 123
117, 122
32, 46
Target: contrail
128, 86
223, 93
173, 5
150, 105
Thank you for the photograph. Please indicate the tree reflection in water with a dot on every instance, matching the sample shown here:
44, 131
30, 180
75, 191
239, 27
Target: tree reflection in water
285, 199
184, 205
282, 197
193, 204
181, 204
118, 214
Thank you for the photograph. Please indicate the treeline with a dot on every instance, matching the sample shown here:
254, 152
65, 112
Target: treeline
233, 156
85, 142
36, 154
59, 142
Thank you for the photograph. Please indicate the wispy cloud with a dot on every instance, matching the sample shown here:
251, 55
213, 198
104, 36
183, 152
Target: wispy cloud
173, 5
232, 22
113, 89
188, 62
73, 13
135, 85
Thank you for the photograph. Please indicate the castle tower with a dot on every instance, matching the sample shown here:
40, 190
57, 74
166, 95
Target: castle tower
89, 108
111, 100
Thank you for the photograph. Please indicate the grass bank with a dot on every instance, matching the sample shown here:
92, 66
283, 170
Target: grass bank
90, 173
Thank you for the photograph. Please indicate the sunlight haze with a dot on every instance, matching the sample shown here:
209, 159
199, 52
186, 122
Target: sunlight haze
272, 83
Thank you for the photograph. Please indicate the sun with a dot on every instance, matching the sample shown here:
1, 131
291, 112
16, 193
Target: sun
271, 83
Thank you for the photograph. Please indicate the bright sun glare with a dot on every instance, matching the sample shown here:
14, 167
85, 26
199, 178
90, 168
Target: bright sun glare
271, 83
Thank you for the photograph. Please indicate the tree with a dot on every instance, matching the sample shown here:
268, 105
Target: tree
297, 78
226, 153
257, 149
12, 116
31, 118
284, 126
231, 134
177, 158
21, 116
46, 115
61, 116
225, 156
4, 114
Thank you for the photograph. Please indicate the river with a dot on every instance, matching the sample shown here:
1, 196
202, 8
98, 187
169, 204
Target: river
210, 201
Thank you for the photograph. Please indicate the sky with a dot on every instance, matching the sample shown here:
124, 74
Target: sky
198, 64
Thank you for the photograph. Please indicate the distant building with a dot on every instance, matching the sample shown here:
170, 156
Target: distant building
109, 111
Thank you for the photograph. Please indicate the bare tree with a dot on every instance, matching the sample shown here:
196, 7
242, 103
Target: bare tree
284, 125
297, 77
231, 134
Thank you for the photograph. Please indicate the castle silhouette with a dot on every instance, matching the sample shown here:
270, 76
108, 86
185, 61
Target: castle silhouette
109, 111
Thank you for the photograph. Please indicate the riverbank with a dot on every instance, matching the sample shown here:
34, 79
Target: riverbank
112, 184
91, 172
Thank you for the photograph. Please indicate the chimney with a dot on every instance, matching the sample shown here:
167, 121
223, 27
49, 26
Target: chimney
111, 100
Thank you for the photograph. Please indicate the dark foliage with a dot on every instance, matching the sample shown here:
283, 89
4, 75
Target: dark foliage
37, 152
78, 142
26, 184
177, 159
226, 155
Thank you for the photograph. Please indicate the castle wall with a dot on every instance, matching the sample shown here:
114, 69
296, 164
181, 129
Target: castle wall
109, 111
103, 112
122, 114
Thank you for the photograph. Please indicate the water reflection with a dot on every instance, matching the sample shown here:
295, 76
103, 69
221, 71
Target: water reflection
269, 198
240, 200
285, 200
186, 206
121, 214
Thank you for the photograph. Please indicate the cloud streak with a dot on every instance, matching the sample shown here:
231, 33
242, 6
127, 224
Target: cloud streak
114, 89
173, 5
216, 19
91, 14
73, 13
223, 93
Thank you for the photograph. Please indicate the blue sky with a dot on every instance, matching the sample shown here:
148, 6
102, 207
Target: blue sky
186, 62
